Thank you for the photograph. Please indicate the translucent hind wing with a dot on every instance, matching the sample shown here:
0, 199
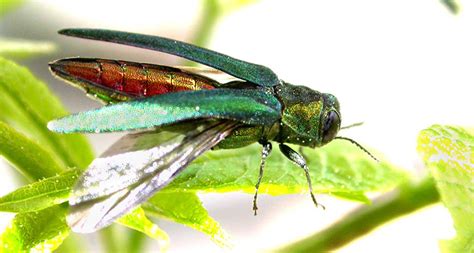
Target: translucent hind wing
132, 170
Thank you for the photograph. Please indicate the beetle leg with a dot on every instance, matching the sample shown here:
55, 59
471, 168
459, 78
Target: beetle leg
266, 150
301, 162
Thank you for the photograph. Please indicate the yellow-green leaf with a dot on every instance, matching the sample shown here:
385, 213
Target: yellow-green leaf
338, 168
184, 208
41, 194
24, 48
28, 105
26, 155
187, 209
41, 231
449, 154
137, 220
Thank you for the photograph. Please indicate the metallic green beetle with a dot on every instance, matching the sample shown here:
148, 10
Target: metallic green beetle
256, 107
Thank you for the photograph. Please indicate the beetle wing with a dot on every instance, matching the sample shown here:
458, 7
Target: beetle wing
249, 106
133, 169
254, 73
211, 73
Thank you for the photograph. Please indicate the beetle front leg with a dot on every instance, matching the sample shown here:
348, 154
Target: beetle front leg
266, 150
301, 162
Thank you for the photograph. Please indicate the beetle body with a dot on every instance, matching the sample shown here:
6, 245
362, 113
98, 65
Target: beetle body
256, 106
305, 112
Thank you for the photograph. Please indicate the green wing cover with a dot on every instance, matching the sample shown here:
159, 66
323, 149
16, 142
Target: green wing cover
247, 71
249, 106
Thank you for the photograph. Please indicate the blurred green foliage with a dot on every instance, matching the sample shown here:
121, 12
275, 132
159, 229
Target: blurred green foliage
449, 154
9, 5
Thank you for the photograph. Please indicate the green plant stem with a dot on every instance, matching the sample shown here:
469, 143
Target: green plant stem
9, 5
404, 200
211, 14
452, 5
72, 243
136, 241
109, 239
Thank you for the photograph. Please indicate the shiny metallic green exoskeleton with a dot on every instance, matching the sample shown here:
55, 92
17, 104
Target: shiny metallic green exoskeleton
201, 114
308, 118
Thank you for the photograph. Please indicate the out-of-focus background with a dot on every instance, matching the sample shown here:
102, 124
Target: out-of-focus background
399, 66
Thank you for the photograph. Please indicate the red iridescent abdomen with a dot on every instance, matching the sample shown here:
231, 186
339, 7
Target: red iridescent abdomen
130, 78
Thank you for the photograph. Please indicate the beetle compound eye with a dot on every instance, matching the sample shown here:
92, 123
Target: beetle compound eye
331, 126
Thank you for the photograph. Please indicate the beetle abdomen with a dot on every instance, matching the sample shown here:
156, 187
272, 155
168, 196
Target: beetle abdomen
128, 78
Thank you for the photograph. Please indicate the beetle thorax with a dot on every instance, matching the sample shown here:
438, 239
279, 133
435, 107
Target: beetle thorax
303, 114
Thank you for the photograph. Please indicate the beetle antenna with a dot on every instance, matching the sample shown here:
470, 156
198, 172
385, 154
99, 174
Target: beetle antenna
358, 145
353, 125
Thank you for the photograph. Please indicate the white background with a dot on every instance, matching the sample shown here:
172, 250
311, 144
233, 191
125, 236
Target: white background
399, 66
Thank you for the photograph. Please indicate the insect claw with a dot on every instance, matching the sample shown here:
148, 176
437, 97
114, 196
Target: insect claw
316, 202
255, 208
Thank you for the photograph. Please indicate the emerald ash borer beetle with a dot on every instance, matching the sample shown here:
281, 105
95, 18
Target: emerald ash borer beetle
256, 106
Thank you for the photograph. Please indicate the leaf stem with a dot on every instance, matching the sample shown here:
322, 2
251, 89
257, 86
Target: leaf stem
72, 243
452, 5
136, 241
211, 14
109, 239
406, 199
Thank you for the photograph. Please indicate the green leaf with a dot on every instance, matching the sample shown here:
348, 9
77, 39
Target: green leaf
28, 105
27, 156
184, 208
338, 168
41, 231
452, 5
187, 209
24, 48
449, 154
41, 194
355, 196
8, 5
137, 220
405, 199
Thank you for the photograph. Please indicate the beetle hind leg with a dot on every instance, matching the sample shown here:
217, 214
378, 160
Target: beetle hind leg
299, 160
266, 150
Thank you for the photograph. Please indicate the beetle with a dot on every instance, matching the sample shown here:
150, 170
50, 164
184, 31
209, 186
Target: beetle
201, 112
